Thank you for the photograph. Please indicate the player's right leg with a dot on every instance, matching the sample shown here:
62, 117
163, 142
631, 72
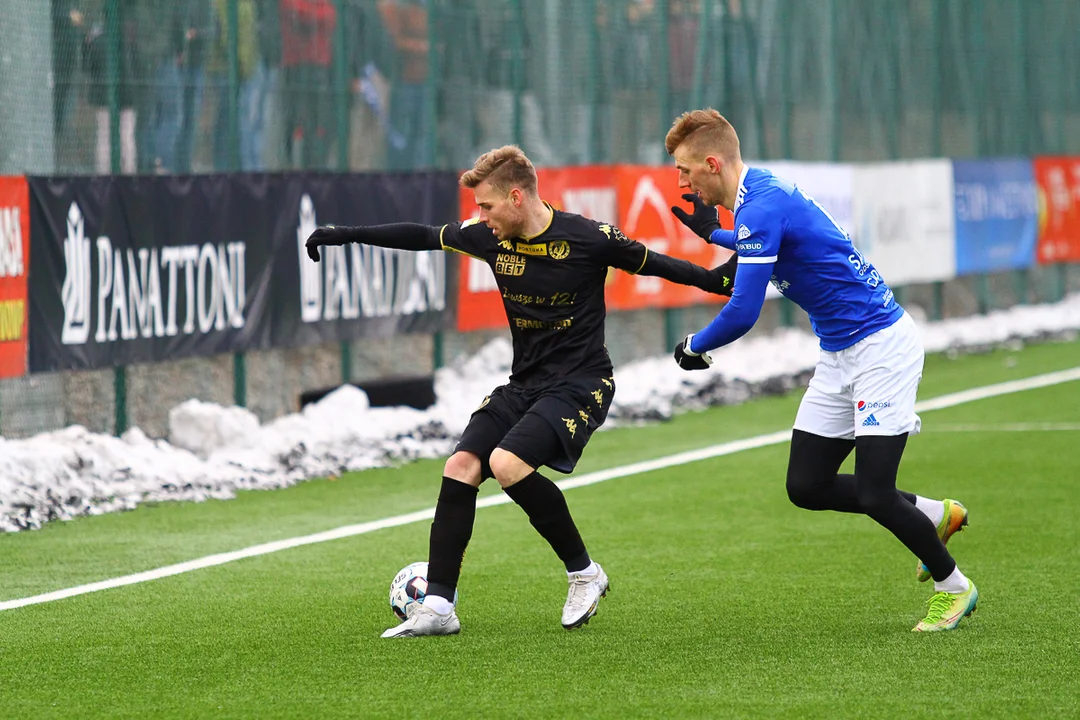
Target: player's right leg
455, 514
951, 519
451, 531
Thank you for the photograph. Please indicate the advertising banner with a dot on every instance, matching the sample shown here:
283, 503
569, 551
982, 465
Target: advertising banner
357, 290
903, 220
996, 215
147, 269
1058, 180
14, 266
646, 195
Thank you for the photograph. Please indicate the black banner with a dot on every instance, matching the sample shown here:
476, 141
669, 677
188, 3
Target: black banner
359, 290
145, 269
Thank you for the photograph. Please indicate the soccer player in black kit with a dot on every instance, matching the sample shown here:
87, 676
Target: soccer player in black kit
550, 267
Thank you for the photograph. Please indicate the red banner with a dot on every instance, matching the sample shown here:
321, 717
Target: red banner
638, 200
1058, 179
14, 265
646, 195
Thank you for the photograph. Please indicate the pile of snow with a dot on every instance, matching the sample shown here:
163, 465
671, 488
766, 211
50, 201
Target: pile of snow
214, 451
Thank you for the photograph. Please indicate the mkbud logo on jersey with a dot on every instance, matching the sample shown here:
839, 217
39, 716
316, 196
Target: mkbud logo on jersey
865, 406
365, 281
139, 290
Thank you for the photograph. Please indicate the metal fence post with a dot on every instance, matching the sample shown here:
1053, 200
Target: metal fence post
982, 285
341, 88
1020, 282
233, 116
120, 392
112, 69
673, 327
784, 55
346, 362
437, 350
518, 68
700, 54
832, 87
232, 43
787, 313
663, 67
935, 78
240, 379
431, 85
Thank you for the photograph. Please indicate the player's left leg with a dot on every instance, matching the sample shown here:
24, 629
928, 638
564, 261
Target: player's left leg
554, 432
545, 505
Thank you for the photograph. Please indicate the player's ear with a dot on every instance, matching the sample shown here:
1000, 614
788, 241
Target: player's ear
714, 163
516, 197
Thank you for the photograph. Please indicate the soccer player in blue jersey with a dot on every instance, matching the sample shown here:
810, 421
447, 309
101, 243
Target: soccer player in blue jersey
862, 394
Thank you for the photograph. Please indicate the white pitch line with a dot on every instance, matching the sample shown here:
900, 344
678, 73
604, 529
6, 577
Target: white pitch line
1009, 427
938, 403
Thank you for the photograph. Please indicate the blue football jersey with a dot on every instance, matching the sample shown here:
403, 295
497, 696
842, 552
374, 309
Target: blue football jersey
813, 261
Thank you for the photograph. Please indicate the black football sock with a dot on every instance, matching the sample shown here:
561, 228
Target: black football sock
450, 533
546, 507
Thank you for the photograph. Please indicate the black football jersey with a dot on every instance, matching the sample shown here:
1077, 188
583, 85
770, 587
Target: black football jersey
552, 286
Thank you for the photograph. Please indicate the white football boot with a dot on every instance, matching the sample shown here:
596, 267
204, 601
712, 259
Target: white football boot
425, 621
583, 597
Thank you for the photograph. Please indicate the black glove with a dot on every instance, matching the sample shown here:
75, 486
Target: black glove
327, 235
704, 219
689, 360
723, 277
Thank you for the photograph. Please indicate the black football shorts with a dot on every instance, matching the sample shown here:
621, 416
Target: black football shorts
547, 425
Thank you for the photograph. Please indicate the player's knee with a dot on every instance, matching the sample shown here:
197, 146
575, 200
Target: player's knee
802, 490
463, 466
507, 467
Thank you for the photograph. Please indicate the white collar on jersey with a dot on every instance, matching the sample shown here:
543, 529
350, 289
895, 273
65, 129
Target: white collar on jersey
742, 187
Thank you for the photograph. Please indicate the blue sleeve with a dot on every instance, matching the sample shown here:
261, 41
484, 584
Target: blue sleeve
723, 238
757, 243
741, 312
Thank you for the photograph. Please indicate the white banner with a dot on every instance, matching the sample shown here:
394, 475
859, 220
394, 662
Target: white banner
828, 183
903, 220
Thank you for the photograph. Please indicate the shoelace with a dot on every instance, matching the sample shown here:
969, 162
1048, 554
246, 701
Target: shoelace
939, 605
578, 589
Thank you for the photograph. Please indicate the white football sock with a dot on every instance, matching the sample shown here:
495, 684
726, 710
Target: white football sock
933, 509
956, 583
593, 569
439, 604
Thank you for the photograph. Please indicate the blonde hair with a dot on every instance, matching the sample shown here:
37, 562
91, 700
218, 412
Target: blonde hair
704, 132
504, 168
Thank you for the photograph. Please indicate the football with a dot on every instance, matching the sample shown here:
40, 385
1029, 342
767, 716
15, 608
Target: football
408, 588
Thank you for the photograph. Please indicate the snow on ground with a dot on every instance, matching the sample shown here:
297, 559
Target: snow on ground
214, 451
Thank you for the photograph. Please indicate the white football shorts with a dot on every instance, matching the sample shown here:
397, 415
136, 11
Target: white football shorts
868, 388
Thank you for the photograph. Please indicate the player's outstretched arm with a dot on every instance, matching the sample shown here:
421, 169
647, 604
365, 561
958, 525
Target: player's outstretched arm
740, 313
399, 236
718, 281
636, 259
